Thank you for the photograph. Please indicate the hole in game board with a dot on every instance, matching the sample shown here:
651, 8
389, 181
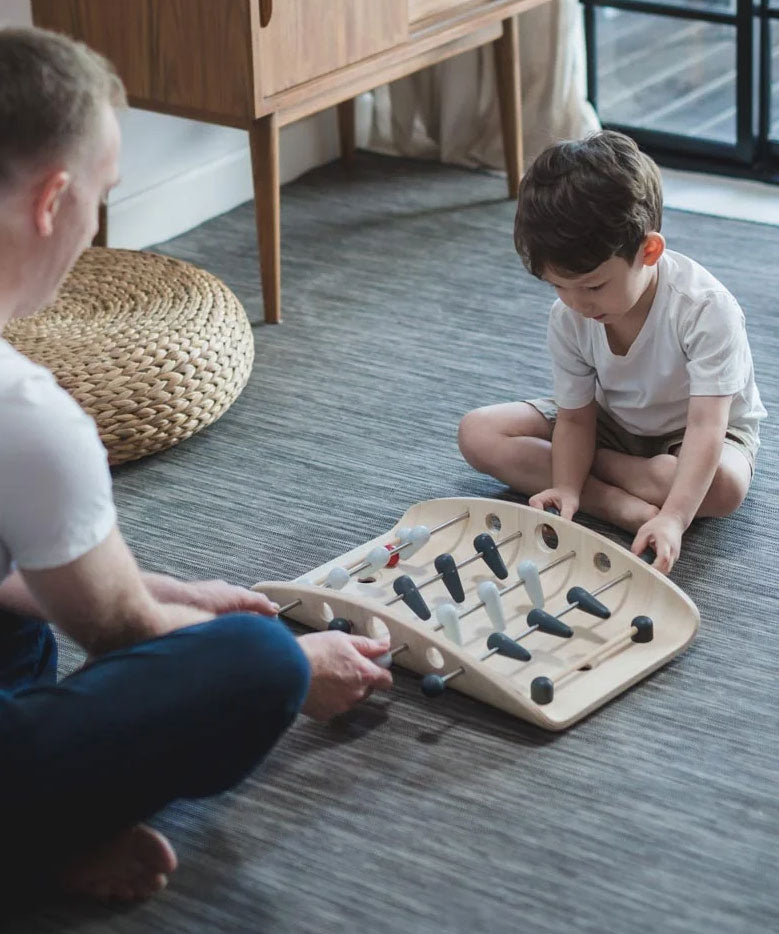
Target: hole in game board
602, 562
547, 536
493, 522
376, 628
366, 580
327, 613
434, 658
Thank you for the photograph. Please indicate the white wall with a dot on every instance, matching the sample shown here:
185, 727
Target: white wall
177, 173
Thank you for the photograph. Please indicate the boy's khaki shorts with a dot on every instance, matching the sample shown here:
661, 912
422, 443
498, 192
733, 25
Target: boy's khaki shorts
613, 436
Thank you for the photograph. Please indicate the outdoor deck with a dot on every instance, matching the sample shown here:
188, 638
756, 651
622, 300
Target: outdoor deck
673, 75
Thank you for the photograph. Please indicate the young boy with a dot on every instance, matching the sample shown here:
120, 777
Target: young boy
655, 415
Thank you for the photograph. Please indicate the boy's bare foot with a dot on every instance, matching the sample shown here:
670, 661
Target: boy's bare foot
133, 866
633, 513
616, 505
648, 478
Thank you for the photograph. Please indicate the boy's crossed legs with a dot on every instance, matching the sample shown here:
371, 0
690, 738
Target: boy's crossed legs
512, 442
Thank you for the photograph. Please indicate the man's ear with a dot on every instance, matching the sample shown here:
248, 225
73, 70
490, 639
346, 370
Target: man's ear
49, 200
654, 247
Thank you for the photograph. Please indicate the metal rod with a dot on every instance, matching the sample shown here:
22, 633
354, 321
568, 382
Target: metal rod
548, 567
390, 552
571, 606
552, 564
462, 564
566, 609
445, 525
452, 674
607, 586
361, 566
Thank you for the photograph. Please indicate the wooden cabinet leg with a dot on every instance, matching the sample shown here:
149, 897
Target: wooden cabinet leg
101, 237
346, 130
264, 143
507, 71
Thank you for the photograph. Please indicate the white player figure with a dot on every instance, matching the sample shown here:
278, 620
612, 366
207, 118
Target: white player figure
419, 536
490, 597
449, 618
528, 571
338, 578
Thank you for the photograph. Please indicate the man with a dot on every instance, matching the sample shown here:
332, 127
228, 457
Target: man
189, 685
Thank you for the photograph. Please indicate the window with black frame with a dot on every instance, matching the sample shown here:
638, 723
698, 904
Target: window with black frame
694, 81
769, 77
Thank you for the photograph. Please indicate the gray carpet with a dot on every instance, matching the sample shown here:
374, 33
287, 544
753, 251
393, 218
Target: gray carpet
405, 305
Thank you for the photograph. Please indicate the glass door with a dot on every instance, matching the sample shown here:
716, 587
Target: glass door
769, 80
696, 81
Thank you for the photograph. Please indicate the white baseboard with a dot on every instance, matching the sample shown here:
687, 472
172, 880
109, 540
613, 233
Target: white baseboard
724, 197
195, 193
172, 207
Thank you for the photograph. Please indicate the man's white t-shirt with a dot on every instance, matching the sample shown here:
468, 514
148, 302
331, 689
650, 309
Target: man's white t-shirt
693, 343
55, 486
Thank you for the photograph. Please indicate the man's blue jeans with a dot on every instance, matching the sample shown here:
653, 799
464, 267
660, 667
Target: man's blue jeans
186, 715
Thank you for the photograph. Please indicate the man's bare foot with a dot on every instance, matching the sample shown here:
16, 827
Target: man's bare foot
133, 866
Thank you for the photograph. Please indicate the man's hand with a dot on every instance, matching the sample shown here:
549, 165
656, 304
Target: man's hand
565, 500
219, 597
342, 673
664, 535
215, 597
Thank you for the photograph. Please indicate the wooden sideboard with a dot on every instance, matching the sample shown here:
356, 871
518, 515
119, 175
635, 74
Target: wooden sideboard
261, 64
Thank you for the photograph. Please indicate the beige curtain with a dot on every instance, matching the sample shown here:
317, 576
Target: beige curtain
450, 111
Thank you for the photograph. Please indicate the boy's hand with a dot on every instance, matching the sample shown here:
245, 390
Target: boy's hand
342, 673
664, 535
566, 501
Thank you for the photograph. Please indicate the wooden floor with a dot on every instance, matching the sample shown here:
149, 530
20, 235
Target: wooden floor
673, 75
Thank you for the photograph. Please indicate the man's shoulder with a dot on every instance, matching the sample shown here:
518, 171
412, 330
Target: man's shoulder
18, 373
34, 410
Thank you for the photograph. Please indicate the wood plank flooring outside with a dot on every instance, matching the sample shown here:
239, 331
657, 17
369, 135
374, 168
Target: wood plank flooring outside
674, 75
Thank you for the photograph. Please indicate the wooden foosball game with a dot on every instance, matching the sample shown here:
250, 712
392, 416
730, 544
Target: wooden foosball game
518, 608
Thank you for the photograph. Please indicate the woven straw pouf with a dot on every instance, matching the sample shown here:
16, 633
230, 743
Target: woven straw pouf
152, 348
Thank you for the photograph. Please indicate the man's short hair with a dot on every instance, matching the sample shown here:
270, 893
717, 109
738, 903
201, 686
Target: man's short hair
582, 202
51, 90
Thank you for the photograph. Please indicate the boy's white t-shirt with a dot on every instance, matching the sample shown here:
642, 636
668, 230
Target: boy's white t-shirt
693, 343
55, 485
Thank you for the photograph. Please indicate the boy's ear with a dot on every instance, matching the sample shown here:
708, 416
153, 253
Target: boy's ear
48, 201
654, 247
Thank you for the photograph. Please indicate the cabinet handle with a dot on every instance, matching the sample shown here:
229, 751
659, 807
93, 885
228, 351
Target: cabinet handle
266, 11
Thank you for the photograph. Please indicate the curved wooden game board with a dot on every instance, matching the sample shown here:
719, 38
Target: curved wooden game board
596, 663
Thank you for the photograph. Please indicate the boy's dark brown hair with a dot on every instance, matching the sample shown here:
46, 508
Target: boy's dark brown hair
582, 202
50, 92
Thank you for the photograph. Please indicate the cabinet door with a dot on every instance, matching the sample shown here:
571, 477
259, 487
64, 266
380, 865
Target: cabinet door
305, 39
188, 56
